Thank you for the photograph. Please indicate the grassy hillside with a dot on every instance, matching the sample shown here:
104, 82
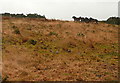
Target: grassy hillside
39, 50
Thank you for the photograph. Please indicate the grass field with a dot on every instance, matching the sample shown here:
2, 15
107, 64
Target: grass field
54, 50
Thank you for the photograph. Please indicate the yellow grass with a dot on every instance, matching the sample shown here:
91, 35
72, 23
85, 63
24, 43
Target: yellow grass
65, 50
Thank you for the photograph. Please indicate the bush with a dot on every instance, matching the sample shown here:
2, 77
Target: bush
14, 27
93, 31
16, 31
113, 20
33, 42
80, 34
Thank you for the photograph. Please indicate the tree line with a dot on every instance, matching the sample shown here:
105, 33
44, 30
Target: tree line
113, 20
110, 20
35, 15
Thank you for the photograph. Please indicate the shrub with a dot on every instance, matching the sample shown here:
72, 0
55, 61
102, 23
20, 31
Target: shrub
80, 34
16, 31
14, 27
113, 20
4, 79
33, 42
93, 31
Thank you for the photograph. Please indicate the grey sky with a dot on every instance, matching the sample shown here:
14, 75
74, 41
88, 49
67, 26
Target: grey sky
62, 9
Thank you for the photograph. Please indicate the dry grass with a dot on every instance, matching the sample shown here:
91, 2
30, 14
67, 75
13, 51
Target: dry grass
64, 51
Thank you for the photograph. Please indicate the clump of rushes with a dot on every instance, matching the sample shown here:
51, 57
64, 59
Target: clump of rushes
14, 27
29, 28
31, 41
93, 31
59, 25
53, 33
17, 31
80, 34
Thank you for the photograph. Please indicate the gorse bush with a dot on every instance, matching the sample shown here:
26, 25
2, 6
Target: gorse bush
31, 41
113, 20
14, 27
16, 31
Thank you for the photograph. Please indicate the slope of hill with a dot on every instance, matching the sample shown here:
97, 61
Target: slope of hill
37, 50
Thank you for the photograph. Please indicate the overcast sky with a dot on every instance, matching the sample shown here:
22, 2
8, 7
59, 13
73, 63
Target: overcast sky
62, 9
